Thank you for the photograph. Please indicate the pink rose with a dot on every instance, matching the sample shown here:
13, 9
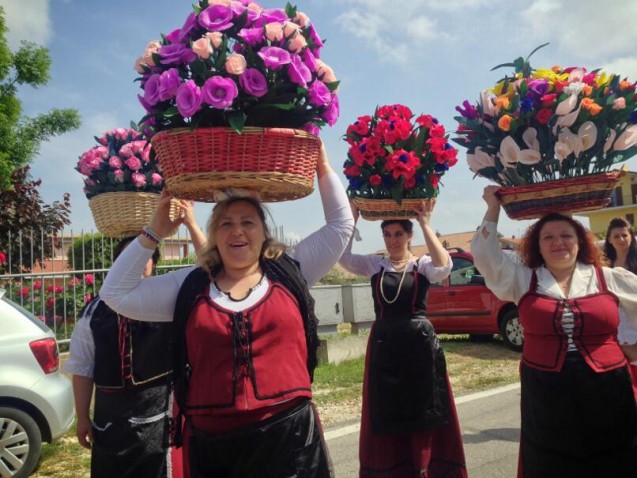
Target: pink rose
274, 31
236, 64
152, 47
216, 38
139, 180
302, 19
156, 179
87, 298
202, 48
114, 162
140, 64
290, 29
133, 163
119, 175
126, 150
219, 2
619, 104
89, 279
325, 73
255, 7
296, 43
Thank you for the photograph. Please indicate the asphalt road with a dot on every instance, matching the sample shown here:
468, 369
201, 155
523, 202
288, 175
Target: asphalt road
490, 423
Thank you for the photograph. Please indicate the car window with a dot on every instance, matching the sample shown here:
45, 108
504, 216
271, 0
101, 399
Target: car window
462, 271
26, 313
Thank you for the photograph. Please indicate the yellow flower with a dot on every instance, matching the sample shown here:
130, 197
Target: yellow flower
550, 75
603, 79
504, 123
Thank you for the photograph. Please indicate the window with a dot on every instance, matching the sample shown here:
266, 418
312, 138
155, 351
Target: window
462, 271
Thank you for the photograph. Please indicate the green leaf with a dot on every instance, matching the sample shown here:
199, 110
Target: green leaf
332, 85
236, 120
502, 65
171, 112
290, 11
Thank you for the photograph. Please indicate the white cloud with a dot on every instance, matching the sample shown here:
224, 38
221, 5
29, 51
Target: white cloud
625, 67
585, 29
27, 20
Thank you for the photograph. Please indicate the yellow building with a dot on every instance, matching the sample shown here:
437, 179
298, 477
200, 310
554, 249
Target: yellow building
623, 204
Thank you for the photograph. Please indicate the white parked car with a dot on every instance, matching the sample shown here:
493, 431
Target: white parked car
36, 400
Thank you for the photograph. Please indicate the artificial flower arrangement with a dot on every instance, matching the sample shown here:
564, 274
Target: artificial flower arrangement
122, 183
549, 124
120, 162
392, 156
235, 64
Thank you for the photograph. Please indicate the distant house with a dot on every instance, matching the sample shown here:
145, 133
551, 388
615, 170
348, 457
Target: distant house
623, 204
458, 240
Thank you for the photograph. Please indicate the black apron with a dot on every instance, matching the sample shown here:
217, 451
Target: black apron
407, 368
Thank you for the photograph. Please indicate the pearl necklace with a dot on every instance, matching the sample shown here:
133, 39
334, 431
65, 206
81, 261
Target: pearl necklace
400, 286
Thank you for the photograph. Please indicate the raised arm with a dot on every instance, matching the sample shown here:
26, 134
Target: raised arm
197, 236
439, 255
319, 251
360, 264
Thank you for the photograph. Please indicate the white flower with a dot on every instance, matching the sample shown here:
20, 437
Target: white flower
627, 139
574, 88
479, 160
530, 139
511, 154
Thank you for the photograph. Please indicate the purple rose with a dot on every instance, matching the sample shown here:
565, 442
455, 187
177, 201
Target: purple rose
216, 18
169, 82
298, 72
253, 82
133, 163
276, 15
252, 36
151, 90
539, 87
188, 99
319, 94
238, 9
309, 59
219, 92
317, 43
311, 128
274, 57
176, 54
187, 27
148, 107
173, 36
331, 113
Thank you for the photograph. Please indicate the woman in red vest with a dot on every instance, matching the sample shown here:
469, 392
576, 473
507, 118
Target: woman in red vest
620, 248
245, 334
579, 417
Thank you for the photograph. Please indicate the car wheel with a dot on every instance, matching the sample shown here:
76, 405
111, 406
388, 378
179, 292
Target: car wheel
511, 330
20, 443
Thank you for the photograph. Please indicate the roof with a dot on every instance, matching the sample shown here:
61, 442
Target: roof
459, 240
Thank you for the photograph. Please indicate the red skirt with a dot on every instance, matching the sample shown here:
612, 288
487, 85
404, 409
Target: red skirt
633, 373
426, 453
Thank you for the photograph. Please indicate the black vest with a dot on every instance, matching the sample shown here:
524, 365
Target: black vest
128, 353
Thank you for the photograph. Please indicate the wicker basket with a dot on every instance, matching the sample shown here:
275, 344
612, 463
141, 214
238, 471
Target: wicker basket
122, 214
279, 163
387, 209
584, 193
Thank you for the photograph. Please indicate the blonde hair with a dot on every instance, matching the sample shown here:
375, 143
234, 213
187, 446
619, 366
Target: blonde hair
210, 259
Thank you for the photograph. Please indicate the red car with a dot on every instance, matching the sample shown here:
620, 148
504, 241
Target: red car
462, 304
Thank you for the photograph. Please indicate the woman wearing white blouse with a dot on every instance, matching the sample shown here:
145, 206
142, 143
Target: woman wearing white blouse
579, 417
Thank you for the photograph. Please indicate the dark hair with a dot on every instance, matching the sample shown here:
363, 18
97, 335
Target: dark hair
609, 250
406, 224
121, 245
529, 250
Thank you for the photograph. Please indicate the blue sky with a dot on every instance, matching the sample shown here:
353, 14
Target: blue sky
427, 54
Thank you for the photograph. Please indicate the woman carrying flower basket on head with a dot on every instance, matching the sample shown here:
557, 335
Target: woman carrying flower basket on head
245, 334
409, 425
579, 416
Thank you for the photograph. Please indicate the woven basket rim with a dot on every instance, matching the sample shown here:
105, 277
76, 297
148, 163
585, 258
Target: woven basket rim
248, 130
564, 182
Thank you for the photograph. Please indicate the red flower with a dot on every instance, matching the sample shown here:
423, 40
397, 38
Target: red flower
434, 179
548, 100
387, 111
402, 163
426, 121
352, 170
37, 285
3, 258
544, 115
437, 131
375, 179
560, 85
89, 279
360, 126
24, 292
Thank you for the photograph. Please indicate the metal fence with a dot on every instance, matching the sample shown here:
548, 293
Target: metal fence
53, 279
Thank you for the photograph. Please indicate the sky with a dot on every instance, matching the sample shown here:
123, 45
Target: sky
430, 55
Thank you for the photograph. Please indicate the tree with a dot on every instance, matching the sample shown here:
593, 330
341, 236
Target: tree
91, 251
27, 225
20, 136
